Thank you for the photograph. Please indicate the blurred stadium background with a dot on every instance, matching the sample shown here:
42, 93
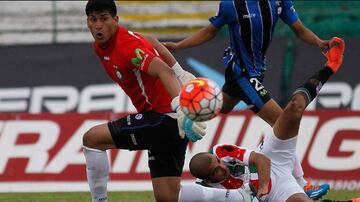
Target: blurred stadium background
53, 88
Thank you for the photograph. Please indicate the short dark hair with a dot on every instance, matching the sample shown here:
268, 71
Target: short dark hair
101, 5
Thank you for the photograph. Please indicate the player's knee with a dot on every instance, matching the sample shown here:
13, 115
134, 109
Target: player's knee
89, 138
167, 194
166, 197
296, 107
226, 107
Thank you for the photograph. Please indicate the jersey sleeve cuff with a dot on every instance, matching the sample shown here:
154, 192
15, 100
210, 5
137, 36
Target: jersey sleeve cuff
146, 62
213, 21
247, 157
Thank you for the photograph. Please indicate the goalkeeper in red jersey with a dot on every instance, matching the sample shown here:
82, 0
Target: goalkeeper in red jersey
153, 87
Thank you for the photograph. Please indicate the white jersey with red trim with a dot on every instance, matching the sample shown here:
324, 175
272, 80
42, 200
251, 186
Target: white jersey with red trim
237, 160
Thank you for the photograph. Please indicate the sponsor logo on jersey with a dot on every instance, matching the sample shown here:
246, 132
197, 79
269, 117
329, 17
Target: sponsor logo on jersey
118, 73
227, 194
151, 157
133, 139
250, 15
107, 58
102, 199
279, 9
136, 61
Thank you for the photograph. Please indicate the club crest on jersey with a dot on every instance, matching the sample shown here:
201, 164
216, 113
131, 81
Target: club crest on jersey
117, 72
279, 9
235, 168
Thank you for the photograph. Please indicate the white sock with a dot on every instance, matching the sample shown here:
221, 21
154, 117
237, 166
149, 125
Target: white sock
298, 173
97, 170
198, 193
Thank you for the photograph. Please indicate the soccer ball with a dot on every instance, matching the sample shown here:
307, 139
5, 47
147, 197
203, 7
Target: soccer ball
201, 99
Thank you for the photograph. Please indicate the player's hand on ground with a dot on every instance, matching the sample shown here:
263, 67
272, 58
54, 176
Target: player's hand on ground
248, 192
170, 45
194, 131
261, 193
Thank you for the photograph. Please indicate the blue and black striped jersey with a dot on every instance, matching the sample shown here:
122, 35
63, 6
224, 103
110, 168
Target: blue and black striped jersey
251, 26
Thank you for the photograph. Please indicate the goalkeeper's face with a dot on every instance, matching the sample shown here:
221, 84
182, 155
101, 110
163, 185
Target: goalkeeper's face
102, 26
218, 170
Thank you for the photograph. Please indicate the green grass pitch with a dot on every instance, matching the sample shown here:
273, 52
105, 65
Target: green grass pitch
142, 196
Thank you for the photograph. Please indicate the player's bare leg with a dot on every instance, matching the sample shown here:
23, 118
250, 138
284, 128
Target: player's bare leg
270, 112
166, 189
228, 103
99, 137
95, 142
287, 125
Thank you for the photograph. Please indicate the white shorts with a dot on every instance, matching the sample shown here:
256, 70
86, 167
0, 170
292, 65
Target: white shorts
282, 154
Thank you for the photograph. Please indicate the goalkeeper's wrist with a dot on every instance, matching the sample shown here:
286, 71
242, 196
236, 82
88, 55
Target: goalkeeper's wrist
175, 103
178, 69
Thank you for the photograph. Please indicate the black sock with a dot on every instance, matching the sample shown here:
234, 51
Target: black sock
313, 85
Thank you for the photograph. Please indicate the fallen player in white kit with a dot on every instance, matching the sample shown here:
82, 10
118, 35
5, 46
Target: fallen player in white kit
228, 167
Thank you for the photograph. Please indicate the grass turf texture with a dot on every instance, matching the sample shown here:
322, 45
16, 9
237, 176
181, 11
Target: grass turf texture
142, 196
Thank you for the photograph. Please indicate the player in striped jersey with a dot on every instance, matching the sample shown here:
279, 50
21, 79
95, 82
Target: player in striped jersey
251, 26
133, 63
225, 166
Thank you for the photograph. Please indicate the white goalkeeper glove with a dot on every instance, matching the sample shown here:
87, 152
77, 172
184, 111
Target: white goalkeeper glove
194, 131
182, 75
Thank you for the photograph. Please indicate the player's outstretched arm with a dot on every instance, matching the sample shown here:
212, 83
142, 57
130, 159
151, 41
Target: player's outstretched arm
160, 69
203, 35
199, 193
165, 54
182, 75
262, 164
307, 36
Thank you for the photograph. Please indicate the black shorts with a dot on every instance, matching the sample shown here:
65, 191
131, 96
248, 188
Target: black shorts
249, 89
157, 133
